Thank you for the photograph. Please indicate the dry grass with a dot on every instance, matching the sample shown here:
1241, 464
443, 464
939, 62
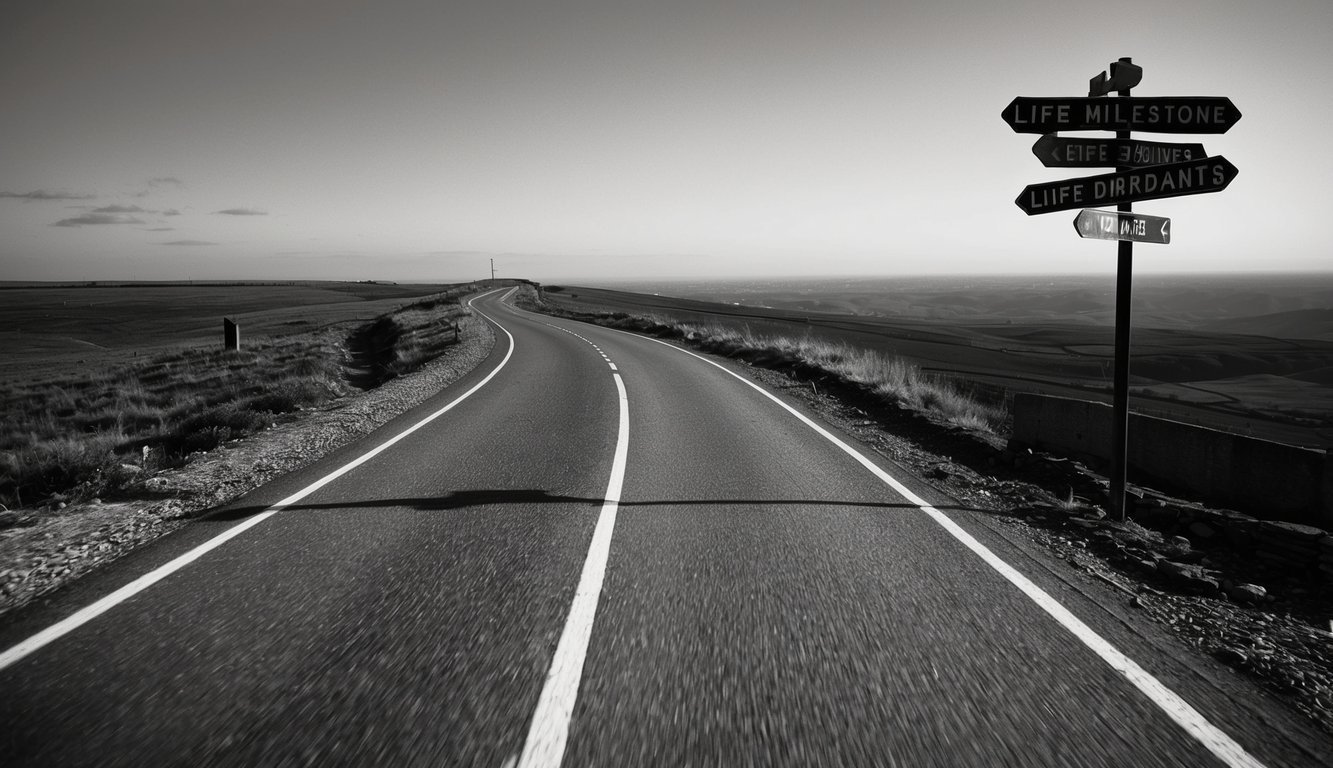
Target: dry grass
97, 433
891, 378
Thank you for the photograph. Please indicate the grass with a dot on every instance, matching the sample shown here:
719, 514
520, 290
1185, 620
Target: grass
95, 434
888, 377
891, 378
85, 436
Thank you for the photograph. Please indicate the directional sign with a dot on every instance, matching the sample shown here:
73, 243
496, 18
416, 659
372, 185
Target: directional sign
1155, 114
1211, 174
1063, 152
1115, 225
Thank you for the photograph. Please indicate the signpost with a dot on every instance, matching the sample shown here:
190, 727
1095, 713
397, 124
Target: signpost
1193, 177
1144, 170
1063, 152
1113, 225
1158, 114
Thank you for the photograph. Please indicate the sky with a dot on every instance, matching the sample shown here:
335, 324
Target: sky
618, 139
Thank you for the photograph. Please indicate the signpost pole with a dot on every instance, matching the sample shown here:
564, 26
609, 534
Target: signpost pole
1145, 170
1124, 282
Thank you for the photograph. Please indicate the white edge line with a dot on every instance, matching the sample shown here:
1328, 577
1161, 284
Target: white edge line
1195, 724
90, 612
549, 731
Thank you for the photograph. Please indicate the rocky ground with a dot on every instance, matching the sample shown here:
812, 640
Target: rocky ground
1256, 617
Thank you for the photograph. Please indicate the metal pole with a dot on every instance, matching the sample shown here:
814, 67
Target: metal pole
1124, 281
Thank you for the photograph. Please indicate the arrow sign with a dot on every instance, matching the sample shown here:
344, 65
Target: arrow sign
1211, 174
1062, 152
1114, 225
1155, 114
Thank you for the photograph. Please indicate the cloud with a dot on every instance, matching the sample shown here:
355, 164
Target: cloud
171, 212
188, 242
243, 212
161, 229
97, 218
165, 181
121, 209
42, 194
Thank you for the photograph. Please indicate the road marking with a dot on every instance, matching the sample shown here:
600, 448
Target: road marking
1195, 724
545, 745
90, 612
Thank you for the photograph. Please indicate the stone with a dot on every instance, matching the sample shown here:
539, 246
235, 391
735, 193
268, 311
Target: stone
1233, 657
1247, 594
1202, 530
1188, 577
1278, 528
1172, 568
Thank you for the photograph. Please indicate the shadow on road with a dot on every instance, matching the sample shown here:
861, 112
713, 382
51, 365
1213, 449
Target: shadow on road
495, 497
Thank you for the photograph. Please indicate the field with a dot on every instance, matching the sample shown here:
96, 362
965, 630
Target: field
105, 384
1252, 355
55, 329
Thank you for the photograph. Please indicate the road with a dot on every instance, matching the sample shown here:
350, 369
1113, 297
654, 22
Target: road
600, 550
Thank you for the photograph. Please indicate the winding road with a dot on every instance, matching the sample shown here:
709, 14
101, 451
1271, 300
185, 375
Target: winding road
598, 549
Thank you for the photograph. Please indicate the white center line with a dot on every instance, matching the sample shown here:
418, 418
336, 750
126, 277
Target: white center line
545, 745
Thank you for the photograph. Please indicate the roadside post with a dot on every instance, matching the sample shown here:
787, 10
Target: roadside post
1124, 284
231, 334
1144, 170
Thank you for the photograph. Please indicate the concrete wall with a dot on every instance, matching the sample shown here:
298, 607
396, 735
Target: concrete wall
1269, 480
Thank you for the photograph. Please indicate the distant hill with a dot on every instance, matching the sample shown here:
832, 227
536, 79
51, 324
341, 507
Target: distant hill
1296, 324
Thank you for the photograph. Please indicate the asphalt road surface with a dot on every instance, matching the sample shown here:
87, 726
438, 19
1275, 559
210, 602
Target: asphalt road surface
600, 550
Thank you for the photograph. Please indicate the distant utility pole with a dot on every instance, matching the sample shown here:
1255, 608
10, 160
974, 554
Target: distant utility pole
492, 269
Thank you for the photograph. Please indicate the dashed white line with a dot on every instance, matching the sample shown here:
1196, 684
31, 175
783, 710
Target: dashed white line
90, 612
